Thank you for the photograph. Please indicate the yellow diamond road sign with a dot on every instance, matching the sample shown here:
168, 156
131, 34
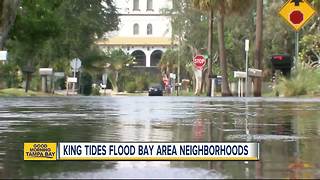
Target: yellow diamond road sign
297, 13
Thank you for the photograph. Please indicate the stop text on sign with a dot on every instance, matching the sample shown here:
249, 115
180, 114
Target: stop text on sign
199, 62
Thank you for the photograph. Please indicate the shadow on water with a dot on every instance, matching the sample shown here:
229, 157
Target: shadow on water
288, 131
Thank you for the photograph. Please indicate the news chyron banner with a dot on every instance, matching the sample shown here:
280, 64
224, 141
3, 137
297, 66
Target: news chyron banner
237, 151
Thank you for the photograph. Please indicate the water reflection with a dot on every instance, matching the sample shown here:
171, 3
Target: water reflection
288, 130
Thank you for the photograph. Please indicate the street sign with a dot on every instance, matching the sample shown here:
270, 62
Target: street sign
173, 76
58, 74
246, 45
72, 80
199, 62
240, 74
3, 55
75, 64
296, 13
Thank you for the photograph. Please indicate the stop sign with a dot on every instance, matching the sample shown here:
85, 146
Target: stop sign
296, 17
199, 61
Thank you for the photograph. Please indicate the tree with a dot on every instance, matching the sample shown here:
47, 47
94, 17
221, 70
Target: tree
208, 6
51, 33
310, 50
222, 8
116, 63
258, 49
36, 22
8, 11
189, 28
168, 62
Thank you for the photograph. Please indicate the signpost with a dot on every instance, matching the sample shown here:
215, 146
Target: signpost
297, 13
75, 65
199, 62
247, 47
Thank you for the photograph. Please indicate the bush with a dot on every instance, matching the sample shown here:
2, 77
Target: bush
142, 82
10, 76
303, 81
131, 87
95, 91
132, 81
86, 83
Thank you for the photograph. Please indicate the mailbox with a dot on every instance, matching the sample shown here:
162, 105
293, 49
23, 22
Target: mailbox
282, 63
255, 72
45, 71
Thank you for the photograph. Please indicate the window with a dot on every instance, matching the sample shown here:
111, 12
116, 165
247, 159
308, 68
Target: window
149, 29
149, 5
135, 5
136, 29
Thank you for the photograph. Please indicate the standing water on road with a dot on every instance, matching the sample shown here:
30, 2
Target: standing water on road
288, 131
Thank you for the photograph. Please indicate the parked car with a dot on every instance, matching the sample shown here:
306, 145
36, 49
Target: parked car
156, 90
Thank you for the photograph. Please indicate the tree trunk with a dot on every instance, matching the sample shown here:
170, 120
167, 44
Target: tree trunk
203, 80
198, 78
222, 54
116, 82
258, 51
209, 74
28, 79
8, 15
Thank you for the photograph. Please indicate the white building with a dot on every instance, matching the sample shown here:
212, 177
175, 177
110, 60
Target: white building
144, 32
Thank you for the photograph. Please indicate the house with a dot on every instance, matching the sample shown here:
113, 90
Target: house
144, 31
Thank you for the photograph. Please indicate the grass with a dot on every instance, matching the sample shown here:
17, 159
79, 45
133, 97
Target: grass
15, 92
269, 94
304, 82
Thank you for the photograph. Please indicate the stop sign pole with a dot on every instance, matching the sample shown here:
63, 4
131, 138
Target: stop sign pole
296, 17
297, 49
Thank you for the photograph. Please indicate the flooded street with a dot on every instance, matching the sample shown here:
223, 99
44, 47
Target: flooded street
288, 131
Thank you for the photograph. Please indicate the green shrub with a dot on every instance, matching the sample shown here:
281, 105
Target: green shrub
131, 87
303, 81
142, 83
95, 91
35, 83
86, 83
132, 81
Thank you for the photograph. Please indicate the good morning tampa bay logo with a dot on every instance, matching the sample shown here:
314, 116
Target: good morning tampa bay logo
40, 151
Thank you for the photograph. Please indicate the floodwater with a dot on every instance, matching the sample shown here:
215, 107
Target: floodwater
288, 131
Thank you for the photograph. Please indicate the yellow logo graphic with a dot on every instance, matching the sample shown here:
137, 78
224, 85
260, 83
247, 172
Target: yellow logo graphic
40, 151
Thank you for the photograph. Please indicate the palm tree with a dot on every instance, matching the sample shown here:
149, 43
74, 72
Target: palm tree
116, 63
168, 62
258, 51
222, 8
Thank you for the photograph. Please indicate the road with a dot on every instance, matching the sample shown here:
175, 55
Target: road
288, 131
